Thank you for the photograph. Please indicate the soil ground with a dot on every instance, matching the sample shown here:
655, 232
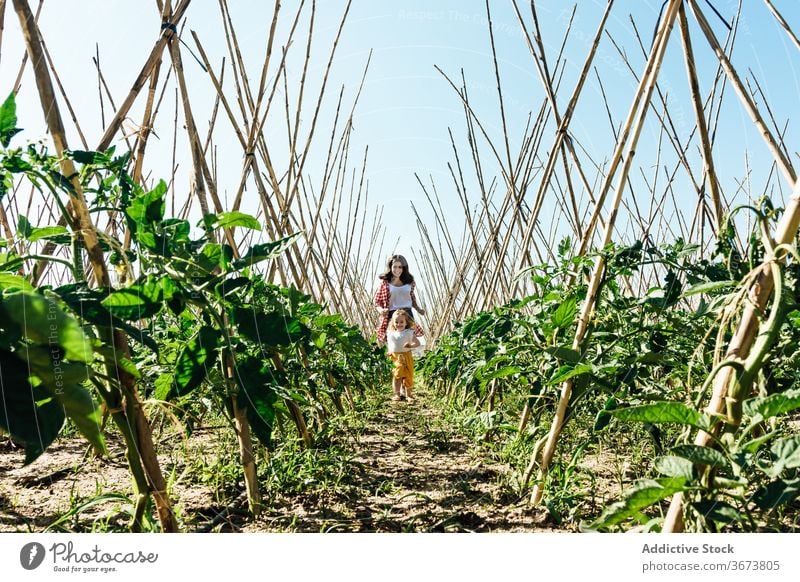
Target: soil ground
404, 472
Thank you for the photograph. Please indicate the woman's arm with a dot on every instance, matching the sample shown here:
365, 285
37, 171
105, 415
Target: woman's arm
382, 298
414, 303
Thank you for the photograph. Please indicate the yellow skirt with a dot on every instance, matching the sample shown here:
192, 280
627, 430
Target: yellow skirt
403, 367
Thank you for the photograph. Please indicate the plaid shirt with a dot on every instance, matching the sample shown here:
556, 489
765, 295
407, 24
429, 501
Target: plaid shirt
382, 302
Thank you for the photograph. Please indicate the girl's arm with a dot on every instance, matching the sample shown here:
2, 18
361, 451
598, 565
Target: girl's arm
414, 299
412, 343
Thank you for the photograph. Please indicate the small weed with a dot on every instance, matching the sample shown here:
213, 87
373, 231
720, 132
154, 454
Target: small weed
385, 488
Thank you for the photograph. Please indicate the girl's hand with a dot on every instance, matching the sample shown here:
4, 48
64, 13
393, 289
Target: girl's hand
383, 310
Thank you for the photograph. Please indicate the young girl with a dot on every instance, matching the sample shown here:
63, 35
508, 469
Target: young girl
400, 339
396, 291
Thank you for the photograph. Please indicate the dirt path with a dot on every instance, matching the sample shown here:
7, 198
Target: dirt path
411, 474
406, 471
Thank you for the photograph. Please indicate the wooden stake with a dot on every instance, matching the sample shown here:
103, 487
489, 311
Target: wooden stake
632, 127
155, 485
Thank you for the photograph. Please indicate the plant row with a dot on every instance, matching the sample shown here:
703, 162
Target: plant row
189, 321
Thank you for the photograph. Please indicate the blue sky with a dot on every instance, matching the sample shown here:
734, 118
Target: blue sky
407, 107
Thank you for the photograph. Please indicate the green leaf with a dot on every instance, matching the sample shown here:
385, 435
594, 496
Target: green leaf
47, 364
131, 304
328, 320
88, 302
89, 157
777, 493
603, 416
235, 218
650, 358
227, 286
566, 372
45, 323
144, 216
46, 232
24, 227
213, 256
269, 330
500, 373
564, 315
708, 287
476, 325
787, 455
176, 230
195, 360
319, 338
564, 353
642, 495
28, 413
14, 163
148, 207
139, 301
262, 252
672, 466
14, 282
296, 298
772, 405
113, 357
163, 386
702, 456
718, 511
8, 120
258, 397
752, 445
83, 412
60, 181
660, 412
601, 420
10, 262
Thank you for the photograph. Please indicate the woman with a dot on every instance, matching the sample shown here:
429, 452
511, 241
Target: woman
396, 291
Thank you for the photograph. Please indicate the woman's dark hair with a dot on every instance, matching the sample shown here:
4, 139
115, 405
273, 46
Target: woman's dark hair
405, 277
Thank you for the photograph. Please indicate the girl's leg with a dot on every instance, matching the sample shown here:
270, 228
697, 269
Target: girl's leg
409, 390
397, 379
408, 380
397, 384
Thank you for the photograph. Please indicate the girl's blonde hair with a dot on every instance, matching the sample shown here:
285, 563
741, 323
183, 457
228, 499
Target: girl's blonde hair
409, 320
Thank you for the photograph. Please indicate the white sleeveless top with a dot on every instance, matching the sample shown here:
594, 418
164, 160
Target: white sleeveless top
399, 297
396, 340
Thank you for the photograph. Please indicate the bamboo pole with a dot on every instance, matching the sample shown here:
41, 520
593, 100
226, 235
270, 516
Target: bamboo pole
633, 128
155, 484
63, 93
197, 178
148, 119
784, 164
702, 128
24, 62
292, 192
202, 176
783, 23
760, 289
563, 125
665, 119
742, 340
149, 65
2, 26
